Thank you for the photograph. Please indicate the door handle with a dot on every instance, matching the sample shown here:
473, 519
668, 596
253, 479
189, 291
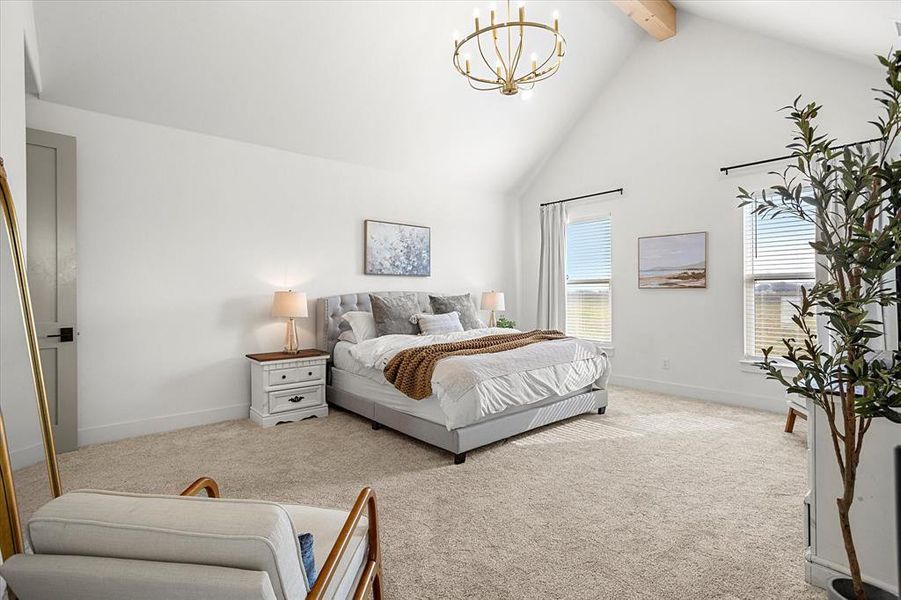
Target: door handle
66, 334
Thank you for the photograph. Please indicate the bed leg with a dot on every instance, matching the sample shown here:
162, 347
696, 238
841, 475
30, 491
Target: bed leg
459, 459
376, 426
602, 410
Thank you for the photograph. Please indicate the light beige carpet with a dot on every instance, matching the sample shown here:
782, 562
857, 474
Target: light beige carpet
661, 497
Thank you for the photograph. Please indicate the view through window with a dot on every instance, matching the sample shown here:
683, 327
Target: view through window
588, 270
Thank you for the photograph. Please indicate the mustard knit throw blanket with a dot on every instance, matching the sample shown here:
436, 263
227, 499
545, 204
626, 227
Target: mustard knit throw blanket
411, 370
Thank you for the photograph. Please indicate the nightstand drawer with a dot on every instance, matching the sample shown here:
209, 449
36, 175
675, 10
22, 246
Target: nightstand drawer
297, 398
296, 375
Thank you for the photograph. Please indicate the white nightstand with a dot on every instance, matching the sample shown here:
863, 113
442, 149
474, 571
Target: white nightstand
287, 387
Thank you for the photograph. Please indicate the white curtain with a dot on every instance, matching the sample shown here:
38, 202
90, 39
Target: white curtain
552, 268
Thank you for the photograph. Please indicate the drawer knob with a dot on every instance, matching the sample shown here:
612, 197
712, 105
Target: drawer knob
310, 374
295, 399
284, 376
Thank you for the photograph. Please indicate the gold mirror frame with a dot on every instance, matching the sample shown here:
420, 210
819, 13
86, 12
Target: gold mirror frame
10, 528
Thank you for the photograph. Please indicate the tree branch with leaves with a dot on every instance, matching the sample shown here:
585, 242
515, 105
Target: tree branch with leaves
852, 196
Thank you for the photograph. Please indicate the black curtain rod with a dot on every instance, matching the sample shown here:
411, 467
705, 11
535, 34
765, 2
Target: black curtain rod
620, 190
778, 158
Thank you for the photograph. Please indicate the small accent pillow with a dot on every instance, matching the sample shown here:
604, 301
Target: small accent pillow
347, 336
437, 324
362, 324
392, 314
307, 557
461, 304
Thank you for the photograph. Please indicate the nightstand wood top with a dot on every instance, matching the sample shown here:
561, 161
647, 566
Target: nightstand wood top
273, 356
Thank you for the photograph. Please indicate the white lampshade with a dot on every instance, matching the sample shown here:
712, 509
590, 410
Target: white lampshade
493, 301
289, 304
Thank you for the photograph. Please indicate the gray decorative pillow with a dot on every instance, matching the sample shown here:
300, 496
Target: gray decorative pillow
469, 318
392, 314
438, 324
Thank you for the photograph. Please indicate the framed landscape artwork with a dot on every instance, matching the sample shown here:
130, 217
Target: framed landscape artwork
673, 261
397, 249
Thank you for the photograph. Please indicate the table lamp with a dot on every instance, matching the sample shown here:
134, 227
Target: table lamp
290, 304
492, 301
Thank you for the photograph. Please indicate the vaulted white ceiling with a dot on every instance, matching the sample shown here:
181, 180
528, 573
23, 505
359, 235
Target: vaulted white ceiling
363, 82
853, 29
372, 83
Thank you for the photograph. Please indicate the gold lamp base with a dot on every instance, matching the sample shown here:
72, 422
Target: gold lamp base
291, 337
492, 320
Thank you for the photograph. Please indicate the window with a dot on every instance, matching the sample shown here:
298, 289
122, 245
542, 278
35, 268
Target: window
778, 261
588, 270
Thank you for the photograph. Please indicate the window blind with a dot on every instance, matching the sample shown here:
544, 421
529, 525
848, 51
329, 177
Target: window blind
588, 273
778, 262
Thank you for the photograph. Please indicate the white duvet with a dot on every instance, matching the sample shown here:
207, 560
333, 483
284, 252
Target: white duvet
470, 388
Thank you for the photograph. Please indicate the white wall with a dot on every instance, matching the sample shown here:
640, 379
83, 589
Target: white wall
675, 113
17, 399
183, 237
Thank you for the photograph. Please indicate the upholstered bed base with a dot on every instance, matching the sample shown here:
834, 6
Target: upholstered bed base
459, 441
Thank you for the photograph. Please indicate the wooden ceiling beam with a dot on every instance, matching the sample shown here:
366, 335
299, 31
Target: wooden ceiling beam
657, 17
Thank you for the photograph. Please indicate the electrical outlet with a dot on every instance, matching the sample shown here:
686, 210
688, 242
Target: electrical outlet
665, 363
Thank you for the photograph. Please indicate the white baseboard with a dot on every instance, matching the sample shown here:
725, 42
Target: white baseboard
24, 457
771, 404
127, 429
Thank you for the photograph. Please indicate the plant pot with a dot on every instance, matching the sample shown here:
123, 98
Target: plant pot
840, 588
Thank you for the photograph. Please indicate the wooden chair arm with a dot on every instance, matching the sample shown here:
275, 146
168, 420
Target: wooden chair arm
371, 579
203, 483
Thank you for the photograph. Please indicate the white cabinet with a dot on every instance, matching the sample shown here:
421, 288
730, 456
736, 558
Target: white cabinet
287, 387
873, 511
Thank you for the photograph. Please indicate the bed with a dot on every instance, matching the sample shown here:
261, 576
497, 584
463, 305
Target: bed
492, 411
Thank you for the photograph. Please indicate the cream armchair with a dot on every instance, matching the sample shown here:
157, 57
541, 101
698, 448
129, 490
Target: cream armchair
101, 545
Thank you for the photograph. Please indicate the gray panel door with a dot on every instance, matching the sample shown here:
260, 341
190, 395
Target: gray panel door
50, 249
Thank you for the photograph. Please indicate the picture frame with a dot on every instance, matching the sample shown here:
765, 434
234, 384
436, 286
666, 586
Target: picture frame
396, 249
673, 261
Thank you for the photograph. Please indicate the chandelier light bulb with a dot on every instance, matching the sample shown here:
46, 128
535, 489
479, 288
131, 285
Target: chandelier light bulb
556, 16
534, 59
456, 36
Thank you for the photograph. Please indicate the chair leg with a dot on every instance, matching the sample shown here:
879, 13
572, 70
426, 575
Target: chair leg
377, 585
790, 420
459, 459
602, 410
376, 426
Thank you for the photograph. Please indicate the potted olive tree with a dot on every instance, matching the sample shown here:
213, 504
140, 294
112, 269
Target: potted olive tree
852, 196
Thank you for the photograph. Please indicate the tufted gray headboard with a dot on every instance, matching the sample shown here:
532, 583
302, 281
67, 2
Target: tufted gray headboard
330, 309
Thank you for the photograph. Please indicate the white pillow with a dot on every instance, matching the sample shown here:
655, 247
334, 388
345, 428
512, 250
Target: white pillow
347, 336
362, 323
437, 324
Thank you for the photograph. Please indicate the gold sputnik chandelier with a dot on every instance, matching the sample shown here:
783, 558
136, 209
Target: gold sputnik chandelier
504, 41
